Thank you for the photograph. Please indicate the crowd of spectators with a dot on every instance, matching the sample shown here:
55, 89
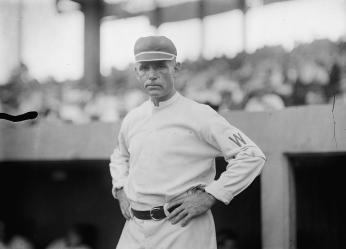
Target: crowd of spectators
78, 236
268, 79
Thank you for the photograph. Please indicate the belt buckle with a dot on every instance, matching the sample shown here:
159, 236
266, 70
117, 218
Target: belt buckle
152, 212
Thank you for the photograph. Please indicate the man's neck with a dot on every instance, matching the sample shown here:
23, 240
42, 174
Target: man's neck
156, 101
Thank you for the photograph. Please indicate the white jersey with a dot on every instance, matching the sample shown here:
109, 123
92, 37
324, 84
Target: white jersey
165, 150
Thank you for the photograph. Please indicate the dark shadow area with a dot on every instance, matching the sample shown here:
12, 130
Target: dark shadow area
320, 200
41, 200
242, 215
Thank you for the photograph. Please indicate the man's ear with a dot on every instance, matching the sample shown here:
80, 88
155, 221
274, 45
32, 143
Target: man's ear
177, 66
135, 68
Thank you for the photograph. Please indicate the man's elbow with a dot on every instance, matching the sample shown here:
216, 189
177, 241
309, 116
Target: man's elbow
261, 162
258, 155
254, 152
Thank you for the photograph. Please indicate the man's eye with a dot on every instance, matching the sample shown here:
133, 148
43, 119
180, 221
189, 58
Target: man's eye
161, 66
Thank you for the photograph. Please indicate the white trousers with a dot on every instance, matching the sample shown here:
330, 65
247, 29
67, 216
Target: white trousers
151, 234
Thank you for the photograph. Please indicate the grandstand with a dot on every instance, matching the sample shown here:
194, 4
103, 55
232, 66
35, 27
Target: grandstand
268, 79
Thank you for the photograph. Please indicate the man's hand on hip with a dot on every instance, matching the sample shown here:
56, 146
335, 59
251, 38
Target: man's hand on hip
124, 204
190, 206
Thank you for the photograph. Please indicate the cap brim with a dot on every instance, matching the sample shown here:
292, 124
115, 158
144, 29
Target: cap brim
154, 56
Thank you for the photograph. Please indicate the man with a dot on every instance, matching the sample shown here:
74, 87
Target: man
163, 168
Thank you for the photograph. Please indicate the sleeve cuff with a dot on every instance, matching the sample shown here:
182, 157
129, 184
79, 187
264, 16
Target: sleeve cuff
215, 190
118, 185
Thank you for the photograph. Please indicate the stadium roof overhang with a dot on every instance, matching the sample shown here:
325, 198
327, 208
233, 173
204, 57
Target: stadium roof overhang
162, 11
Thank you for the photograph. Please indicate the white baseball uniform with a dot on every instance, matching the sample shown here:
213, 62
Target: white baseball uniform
163, 151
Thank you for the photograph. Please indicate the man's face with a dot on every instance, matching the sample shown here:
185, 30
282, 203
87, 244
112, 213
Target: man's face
157, 78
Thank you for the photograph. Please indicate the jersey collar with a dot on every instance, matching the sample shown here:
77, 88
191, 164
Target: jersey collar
165, 103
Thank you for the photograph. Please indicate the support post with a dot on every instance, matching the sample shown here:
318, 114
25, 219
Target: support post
20, 33
201, 14
92, 10
278, 204
244, 8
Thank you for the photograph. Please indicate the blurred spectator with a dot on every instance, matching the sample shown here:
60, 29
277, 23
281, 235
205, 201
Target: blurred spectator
80, 236
227, 239
20, 242
340, 98
11, 239
232, 96
19, 87
263, 100
315, 95
299, 93
2, 235
333, 87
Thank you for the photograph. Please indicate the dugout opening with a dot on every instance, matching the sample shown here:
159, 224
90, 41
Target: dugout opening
42, 199
320, 200
242, 215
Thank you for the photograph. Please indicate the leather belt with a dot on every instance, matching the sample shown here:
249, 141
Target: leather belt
156, 213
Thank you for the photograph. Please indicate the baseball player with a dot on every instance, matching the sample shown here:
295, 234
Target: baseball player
163, 168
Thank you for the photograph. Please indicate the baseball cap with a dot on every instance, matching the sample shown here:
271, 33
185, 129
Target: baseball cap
154, 48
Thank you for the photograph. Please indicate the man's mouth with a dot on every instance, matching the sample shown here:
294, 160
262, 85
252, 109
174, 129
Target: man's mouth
152, 85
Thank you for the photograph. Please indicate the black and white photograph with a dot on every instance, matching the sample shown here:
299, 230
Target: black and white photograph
172, 124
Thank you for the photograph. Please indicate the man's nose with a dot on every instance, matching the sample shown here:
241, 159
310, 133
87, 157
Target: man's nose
152, 74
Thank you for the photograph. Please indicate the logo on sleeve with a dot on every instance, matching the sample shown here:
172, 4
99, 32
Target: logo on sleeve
238, 139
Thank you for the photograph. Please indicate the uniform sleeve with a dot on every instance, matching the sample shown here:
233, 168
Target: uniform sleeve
119, 162
245, 159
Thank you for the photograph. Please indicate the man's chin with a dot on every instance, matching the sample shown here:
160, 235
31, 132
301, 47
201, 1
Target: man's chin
154, 93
